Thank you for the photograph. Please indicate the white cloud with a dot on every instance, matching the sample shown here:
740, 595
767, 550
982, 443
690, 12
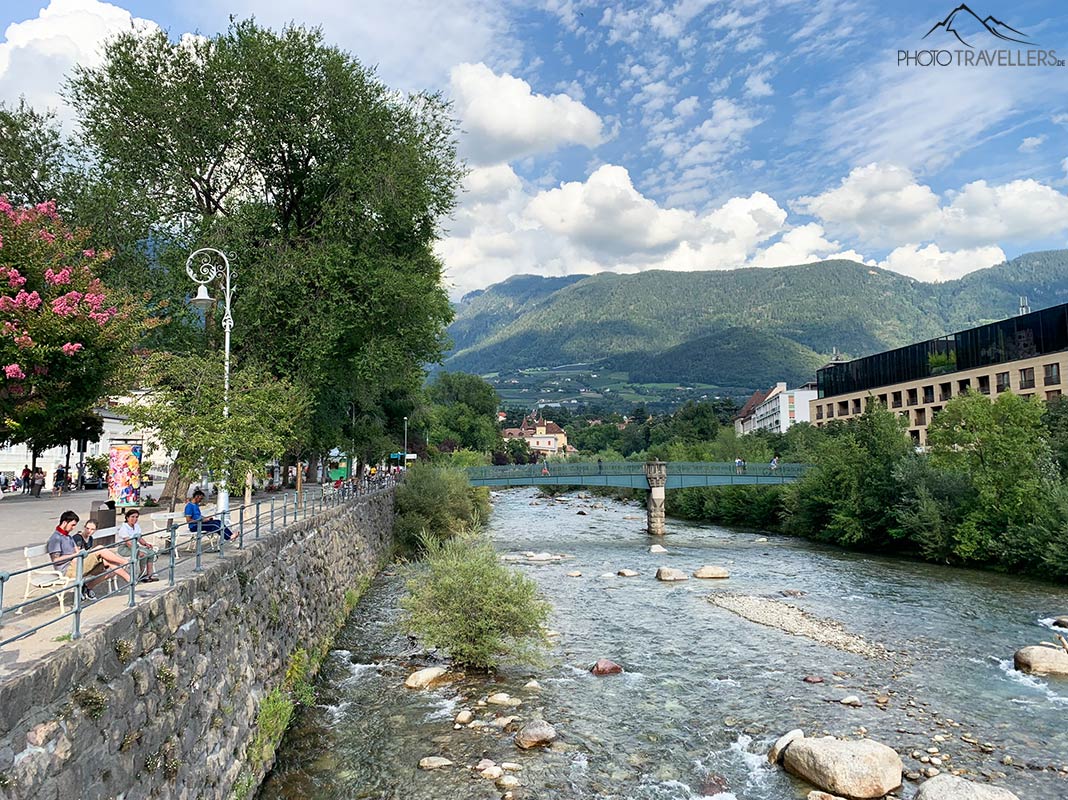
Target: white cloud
804, 245
1031, 143
930, 263
686, 107
720, 134
756, 85
37, 54
884, 205
503, 119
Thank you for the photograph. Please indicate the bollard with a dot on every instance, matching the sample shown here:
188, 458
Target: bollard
241, 528
258, 503
135, 574
285, 512
200, 545
272, 515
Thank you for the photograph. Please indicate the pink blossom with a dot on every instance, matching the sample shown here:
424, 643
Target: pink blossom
31, 300
9, 327
102, 318
24, 340
7, 303
47, 209
14, 372
57, 278
15, 279
70, 349
94, 300
90, 253
48, 237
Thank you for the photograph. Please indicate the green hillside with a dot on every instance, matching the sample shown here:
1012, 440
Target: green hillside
695, 326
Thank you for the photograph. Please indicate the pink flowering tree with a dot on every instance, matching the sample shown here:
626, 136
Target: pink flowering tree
65, 338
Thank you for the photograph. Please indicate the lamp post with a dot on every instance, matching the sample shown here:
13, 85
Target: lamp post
204, 266
406, 443
352, 432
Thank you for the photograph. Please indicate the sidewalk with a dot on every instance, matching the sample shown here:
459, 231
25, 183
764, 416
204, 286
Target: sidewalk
25, 520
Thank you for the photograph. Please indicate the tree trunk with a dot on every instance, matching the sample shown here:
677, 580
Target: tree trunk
313, 468
176, 488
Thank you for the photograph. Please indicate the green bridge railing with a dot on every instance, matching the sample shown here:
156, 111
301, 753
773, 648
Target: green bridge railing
588, 469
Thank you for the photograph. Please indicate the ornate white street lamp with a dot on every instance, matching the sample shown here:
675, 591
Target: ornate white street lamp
204, 266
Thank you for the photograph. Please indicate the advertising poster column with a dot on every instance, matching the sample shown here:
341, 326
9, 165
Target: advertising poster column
124, 474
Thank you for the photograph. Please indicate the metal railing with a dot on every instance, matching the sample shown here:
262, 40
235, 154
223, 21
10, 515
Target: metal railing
564, 469
196, 540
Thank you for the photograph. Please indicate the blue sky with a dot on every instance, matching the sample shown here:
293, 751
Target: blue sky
683, 134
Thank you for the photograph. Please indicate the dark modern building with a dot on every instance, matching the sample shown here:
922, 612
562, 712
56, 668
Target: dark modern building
1026, 354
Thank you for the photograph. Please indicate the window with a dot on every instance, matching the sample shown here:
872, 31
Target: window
882, 399
1052, 374
897, 399
830, 410
915, 437
1052, 393
984, 384
1027, 378
921, 416
945, 391
964, 385
856, 405
843, 408
1002, 380
913, 397
928, 394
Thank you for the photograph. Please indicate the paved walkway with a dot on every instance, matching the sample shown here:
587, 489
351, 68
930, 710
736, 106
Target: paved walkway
25, 520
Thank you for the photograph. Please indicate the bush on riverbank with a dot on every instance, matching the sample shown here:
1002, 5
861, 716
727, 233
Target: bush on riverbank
472, 606
436, 503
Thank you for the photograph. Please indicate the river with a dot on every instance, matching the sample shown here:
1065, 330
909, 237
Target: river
705, 692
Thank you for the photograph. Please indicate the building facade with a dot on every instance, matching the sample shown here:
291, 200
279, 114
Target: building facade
781, 408
541, 435
1027, 355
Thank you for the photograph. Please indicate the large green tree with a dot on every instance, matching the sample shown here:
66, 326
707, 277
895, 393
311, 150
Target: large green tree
327, 186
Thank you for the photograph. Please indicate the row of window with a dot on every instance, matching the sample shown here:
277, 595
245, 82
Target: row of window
1051, 376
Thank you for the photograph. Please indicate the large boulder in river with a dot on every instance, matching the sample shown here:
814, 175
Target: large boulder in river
424, 677
712, 572
784, 741
1060, 622
950, 787
860, 769
536, 733
1042, 660
670, 574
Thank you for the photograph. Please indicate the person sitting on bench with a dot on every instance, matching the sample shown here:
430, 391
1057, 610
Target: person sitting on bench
198, 522
129, 532
61, 549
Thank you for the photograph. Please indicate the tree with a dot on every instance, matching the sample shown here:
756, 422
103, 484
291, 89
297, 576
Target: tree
464, 412
66, 337
32, 154
328, 186
1002, 446
185, 410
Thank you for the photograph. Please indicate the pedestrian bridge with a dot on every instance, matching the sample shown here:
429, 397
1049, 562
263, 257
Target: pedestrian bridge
655, 476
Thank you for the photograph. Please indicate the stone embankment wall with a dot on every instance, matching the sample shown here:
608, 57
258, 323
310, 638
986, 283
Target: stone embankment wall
186, 695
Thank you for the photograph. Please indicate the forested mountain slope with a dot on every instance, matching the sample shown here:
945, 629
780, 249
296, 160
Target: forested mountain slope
694, 326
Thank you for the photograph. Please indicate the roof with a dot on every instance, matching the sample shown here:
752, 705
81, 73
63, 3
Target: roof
750, 404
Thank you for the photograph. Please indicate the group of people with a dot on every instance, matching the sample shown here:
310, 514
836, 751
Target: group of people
101, 561
33, 481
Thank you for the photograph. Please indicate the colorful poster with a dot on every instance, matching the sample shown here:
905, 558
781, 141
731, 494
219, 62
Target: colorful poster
124, 474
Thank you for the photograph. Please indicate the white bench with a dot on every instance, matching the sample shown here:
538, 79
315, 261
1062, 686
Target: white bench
44, 579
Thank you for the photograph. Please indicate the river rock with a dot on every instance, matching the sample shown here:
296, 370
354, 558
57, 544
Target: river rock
713, 785
627, 573
532, 685
812, 679
658, 548
580, 513
777, 749
503, 699
670, 574
712, 572
605, 667
851, 700
760, 540
860, 769
503, 722
536, 733
574, 574
464, 717
1060, 622
511, 766
434, 762
424, 677
816, 794
508, 781
950, 787
485, 763
1042, 660
491, 773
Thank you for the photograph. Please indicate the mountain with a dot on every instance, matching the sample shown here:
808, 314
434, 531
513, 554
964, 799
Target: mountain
695, 327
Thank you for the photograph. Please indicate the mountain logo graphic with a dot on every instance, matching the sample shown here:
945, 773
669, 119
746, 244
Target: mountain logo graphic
962, 21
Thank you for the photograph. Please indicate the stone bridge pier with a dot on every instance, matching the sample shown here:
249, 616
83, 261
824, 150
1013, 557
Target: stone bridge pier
656, 475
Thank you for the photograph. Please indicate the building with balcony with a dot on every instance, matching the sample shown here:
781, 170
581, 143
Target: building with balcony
1026, 354
541, 435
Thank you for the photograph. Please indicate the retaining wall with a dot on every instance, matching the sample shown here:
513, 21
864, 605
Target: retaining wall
165, 700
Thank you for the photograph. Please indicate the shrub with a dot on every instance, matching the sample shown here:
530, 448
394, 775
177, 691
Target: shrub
437, 502
475, 608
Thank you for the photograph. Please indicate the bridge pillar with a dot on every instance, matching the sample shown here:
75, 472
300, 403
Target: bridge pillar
656, 474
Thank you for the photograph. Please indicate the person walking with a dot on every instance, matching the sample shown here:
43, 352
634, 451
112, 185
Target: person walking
38, 482
26, 479
59, 481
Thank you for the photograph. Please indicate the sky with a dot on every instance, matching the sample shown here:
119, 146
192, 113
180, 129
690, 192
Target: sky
684, 134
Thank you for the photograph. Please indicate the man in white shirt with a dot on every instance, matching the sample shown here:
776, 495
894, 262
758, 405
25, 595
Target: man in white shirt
130, 531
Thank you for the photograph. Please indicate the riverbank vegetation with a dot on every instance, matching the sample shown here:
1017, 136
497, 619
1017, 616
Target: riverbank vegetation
434, 503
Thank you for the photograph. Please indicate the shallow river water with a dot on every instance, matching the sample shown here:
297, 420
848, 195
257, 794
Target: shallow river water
705, 692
